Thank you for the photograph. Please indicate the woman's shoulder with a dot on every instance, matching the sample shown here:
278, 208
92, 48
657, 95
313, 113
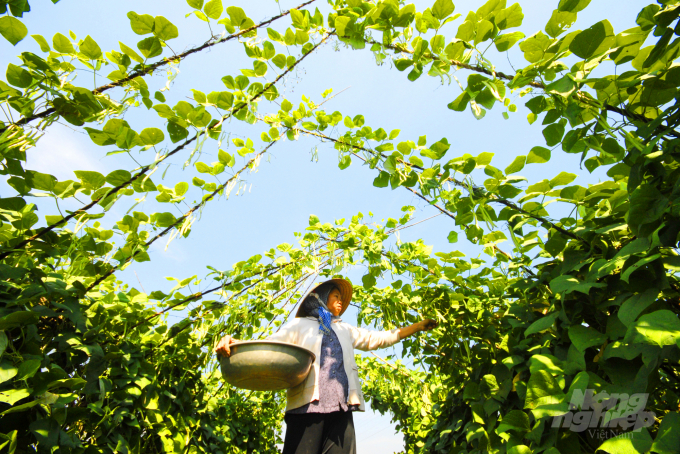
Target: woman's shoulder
343, 326
301, 322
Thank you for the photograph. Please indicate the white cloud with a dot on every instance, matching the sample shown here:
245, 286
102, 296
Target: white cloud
62, 150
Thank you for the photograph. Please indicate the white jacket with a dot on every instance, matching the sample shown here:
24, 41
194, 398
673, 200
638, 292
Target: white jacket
305, 333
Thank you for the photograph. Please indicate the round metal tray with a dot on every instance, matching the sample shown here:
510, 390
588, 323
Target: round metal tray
266, 365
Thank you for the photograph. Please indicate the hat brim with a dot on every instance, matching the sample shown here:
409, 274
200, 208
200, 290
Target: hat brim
346, 291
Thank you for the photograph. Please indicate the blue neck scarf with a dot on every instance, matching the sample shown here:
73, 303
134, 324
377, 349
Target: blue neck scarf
315, 306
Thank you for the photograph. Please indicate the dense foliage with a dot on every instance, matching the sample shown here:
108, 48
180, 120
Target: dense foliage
585, 297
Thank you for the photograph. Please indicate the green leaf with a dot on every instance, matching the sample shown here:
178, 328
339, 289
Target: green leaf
488, 9
534, 47
667, 439
542, 324
453, 236
181, 188
466, 31
442, 9
658, 328
515, 420
382, 180
150, 47
509, 17
226, 158
460, 103
152, 136
484, 31
213, 9
203, 167
553, 134
279, 60
90, 179
368, 280
546, 362
195, 4
507, 40
142, 24
28, 368
538, 155
260, 68
629, 43
42, 42
584, 337
345, 162
559, 22
341, 24
237, 15
40, 181
16, 319
594, 40
90, 48
562, 179
201, 15
542, 389
567, 284
46, 431
268, 50
633, 442
18, 76
437, 149
222, 99
4, 342
199, 96
164, 219
131, 53
516, 165
646, 18
118, 177
13, 30
7, 371
647, 205
164, 29
573, 6
537, 104
12, 396
62, 44
299, 19
636, 304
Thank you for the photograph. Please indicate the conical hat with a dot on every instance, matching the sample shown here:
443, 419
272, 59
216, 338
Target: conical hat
345, 288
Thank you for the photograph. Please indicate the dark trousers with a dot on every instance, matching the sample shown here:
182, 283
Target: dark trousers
320, 433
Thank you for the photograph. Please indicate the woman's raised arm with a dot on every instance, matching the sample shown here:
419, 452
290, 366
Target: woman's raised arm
367, 340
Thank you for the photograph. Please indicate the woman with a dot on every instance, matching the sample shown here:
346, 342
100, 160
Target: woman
319, 410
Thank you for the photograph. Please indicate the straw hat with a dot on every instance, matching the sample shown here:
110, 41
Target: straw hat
345, 293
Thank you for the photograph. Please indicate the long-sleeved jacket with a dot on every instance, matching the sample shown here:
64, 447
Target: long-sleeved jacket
305, 333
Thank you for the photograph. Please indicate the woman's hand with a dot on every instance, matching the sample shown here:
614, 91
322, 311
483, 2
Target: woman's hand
222, 347
423, 325
427, 324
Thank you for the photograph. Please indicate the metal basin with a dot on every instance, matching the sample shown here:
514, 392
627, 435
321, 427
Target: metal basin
266, 365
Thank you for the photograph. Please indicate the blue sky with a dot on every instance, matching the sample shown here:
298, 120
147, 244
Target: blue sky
293, 182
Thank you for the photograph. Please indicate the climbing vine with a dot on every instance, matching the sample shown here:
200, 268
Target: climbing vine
575, 290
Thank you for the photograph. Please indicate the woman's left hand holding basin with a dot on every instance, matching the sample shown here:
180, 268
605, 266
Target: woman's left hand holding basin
223, 345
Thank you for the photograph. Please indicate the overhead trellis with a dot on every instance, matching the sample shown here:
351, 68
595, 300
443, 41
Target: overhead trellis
554, 306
